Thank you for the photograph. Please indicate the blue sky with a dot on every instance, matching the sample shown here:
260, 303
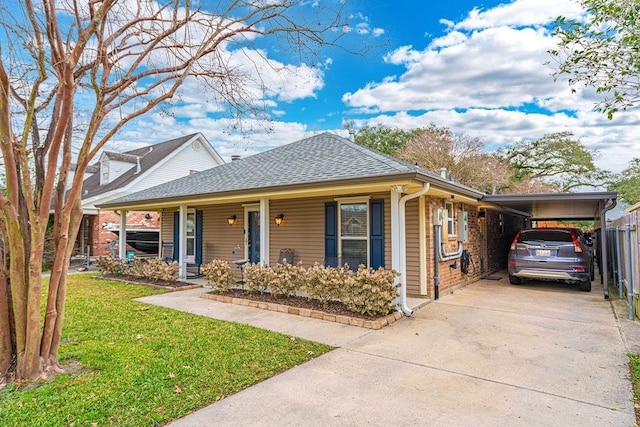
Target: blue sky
477, 67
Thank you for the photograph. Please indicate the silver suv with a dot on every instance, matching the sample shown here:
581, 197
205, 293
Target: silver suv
551, 254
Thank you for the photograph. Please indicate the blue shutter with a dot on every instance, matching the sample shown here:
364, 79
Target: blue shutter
176, 236
331, 234
198, 257
376, 237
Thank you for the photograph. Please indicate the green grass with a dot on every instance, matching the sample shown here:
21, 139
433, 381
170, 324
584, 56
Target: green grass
146, 365
634, 364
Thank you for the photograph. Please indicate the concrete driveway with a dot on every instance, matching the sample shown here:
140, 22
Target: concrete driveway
489, 354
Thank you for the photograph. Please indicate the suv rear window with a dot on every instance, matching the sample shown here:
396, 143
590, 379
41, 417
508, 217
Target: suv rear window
546, 236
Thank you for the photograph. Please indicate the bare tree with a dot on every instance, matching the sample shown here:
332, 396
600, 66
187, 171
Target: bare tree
463, 156
109, 62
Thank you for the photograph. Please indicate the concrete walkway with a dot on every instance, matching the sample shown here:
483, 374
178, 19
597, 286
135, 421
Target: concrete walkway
489, 354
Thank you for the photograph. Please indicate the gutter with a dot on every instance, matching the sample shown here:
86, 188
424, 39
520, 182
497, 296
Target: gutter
403, 245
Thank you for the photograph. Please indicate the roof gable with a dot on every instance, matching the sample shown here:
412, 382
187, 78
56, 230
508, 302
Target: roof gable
148, 157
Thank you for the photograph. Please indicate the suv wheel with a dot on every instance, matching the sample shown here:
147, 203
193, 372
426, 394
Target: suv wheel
585, 285
514, 280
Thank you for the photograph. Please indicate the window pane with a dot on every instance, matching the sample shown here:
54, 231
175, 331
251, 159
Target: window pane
191, 248
353, 217
191, 224
354, 250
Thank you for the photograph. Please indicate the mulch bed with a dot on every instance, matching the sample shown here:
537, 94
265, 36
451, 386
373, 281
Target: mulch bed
332, 307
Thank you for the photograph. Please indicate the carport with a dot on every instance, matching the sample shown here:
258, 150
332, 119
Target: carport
590, 206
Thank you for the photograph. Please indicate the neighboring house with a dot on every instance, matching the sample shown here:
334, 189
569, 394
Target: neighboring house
118, 174
333, 201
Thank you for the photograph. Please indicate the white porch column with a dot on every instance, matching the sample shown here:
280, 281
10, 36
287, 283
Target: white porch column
182, 245
122, 241
265, 223
422, 244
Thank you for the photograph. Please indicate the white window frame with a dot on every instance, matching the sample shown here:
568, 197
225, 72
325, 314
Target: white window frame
341, 238
451, 229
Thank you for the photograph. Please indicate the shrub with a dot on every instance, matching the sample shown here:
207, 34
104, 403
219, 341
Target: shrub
286, 279
219, 275
372, 292
324, 284
110, 266
254, 278
148, 268
157, 269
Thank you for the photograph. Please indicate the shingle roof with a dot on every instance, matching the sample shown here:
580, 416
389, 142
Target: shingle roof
149, 156
123, 157
321, 158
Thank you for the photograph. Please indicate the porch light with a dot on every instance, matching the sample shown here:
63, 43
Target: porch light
279, 219
231, 220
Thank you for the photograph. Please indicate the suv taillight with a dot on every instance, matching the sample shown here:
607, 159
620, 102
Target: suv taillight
576, 244
515, 240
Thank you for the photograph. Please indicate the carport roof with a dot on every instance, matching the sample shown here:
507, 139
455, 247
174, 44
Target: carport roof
546, 206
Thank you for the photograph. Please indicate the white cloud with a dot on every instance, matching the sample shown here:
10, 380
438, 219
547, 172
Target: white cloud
495, 67
520, 13
488, 76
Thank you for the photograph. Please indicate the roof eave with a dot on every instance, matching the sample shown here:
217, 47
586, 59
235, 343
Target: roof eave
395, 179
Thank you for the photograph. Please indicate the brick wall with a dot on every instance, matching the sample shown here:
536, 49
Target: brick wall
488, 244
500, 230
450, 278
105, 219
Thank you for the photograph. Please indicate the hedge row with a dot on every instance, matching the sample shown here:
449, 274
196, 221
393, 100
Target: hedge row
148, 268
365, 291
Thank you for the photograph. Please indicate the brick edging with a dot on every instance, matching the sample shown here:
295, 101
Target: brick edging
306, 312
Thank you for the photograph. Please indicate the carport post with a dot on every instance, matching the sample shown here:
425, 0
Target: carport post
627, 245
619, 261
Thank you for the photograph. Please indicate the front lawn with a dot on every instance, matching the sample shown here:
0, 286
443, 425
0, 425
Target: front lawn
146, 365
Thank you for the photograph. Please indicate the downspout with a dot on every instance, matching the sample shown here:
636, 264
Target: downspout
403, 246
436, 264
610, 204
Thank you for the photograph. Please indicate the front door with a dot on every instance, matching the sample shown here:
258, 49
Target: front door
253, 236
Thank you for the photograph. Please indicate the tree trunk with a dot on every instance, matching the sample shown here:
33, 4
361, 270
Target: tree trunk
6, 348
52, 332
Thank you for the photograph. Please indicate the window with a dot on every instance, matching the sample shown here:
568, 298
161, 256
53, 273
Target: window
450, 228
191, 235
354, 233
104, 169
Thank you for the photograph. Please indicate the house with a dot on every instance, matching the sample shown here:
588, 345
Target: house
117, 174
333, 201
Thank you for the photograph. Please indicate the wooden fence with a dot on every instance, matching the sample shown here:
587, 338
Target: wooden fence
623, 243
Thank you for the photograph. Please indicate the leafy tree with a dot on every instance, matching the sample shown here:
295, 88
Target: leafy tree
72, 74
557, 159
602, 52
628, 183
384, 139
463, 156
